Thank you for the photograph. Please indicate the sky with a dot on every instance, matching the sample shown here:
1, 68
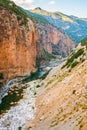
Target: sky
69, 7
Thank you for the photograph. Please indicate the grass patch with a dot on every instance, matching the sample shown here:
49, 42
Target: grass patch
84, 42
49, 82
80, 121
59, 118
62, 77
84, 106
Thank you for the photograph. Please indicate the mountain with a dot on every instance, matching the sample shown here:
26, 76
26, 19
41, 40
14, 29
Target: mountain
27, 41
74, 27
62, 97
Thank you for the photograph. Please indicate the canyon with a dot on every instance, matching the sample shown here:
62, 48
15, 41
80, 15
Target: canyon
43, 69
27, 44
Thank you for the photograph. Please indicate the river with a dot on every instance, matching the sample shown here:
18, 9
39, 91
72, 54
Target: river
18, 100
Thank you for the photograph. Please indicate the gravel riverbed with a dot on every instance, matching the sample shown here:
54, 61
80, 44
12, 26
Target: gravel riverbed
17, 116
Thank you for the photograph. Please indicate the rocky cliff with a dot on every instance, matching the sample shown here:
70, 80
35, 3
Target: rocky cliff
26, 43
17, 45
52, 41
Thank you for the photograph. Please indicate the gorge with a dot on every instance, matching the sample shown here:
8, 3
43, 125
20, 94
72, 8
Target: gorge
43, 69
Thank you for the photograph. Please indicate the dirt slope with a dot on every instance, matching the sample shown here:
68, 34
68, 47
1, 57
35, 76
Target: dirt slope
62, 100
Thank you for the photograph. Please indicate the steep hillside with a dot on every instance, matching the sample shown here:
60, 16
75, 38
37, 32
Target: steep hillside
74, 27
62, 99
27, 41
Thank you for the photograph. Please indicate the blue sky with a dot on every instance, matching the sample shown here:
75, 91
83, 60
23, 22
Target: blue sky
70, 7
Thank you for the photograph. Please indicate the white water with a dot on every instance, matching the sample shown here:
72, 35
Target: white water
6, 88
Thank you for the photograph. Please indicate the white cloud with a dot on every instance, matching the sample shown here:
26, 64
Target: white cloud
24, 3
52, 2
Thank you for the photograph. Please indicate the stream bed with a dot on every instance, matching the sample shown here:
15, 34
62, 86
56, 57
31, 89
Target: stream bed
17, 100
17, 116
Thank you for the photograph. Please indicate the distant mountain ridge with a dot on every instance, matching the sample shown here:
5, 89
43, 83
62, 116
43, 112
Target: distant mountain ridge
74, 27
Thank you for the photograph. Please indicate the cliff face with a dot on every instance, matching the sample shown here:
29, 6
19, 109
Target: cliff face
17, 45
53, 41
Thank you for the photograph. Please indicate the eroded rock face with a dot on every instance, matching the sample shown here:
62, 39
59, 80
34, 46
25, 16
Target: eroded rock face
53, 41
17, 45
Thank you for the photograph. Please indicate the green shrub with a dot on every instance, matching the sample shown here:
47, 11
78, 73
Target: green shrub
38, 86
19, 128
49, 56
1, 76
74, 64
1, 84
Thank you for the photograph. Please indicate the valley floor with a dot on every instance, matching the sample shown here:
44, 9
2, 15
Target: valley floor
14, 114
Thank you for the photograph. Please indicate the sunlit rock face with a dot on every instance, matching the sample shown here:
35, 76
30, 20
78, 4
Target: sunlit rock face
17, 45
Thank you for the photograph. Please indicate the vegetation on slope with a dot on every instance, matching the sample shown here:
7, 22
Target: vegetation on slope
78, 56
75, 55
84, 42
72, 61
21, 15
